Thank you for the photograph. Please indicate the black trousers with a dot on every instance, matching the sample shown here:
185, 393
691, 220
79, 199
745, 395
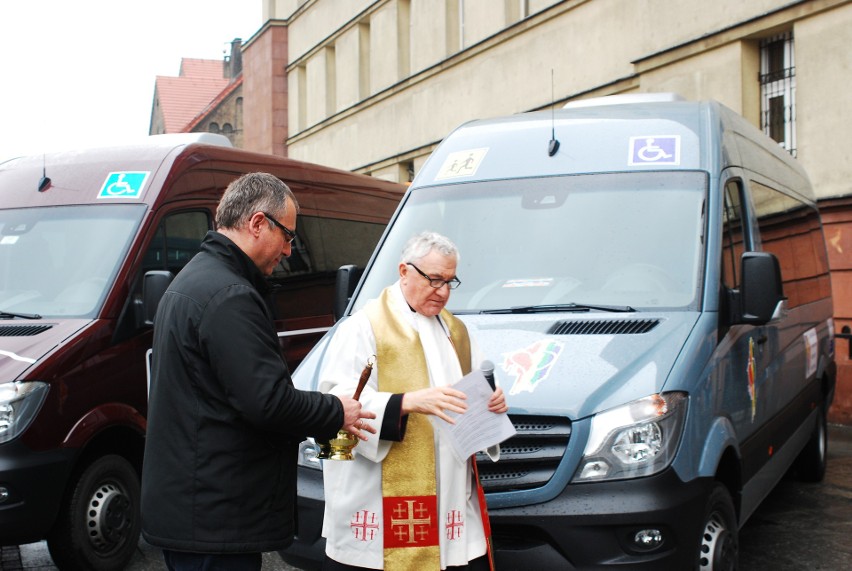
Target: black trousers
478, 564
183, 561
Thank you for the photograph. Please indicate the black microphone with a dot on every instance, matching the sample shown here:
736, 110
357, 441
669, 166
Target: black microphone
488, 370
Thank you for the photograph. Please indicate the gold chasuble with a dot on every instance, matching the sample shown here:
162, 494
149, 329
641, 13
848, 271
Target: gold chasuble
409, 489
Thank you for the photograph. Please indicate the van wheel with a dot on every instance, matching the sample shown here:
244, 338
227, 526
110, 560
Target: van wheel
718, 549
99, 521
812, 460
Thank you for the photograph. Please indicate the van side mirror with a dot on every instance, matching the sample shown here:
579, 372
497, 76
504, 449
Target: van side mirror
761, 289
154, 286
344, 286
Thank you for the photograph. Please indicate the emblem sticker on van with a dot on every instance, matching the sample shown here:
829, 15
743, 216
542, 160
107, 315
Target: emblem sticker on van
751, 371
654, 150
123, 185
461, 163
811, 354
531, 365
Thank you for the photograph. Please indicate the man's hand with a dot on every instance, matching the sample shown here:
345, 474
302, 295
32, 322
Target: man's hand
497, 402
353, 418
434, 401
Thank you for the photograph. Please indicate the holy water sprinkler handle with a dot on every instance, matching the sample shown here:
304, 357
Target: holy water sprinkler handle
365, 376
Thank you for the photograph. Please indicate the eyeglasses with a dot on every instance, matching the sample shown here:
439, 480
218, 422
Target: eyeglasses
289, 235
437, 283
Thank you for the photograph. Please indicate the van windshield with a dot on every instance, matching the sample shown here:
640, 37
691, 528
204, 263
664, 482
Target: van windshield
628, 240
60, 261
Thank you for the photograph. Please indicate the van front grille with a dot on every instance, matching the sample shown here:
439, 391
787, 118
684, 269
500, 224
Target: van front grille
528, 459
603, 327
22, 330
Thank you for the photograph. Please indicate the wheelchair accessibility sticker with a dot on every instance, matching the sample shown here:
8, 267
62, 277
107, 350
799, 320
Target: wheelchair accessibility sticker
654, 150
123, 185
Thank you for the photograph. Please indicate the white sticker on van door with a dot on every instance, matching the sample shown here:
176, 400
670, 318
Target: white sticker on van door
531, 365
654, 150
811, 353
461, 163
123, 185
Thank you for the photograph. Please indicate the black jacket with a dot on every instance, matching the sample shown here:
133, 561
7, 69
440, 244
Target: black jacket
224, 421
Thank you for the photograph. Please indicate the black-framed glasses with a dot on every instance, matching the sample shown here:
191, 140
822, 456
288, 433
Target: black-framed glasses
438, 283
289, 235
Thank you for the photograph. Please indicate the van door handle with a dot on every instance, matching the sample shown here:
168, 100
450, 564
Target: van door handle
762, 339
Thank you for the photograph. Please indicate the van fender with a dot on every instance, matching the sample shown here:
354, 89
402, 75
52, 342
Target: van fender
720, 437
101, 417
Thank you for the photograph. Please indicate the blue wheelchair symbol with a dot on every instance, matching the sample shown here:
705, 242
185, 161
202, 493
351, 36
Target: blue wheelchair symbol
657, 150
123, 185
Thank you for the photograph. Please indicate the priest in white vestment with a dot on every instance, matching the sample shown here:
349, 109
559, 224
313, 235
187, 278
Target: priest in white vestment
406, 501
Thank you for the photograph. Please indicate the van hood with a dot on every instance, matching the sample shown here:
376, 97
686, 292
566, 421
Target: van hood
578, 365
23, 343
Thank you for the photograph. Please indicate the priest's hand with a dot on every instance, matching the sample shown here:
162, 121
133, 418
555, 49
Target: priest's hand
434, 401
353, 418
497, 402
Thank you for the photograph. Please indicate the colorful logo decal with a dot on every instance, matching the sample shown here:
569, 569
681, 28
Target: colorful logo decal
654, 150
752, 388
123, 185
531, 365
462, 163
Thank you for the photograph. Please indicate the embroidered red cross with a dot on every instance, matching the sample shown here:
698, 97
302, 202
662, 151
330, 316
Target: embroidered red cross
364, 525
455, 524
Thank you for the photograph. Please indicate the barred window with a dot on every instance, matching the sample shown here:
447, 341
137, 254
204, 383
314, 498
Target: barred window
778, 90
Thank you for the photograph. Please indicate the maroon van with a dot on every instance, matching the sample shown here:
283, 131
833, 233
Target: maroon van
88, 242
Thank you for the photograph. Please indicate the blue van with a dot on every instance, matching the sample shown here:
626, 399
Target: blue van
650, 277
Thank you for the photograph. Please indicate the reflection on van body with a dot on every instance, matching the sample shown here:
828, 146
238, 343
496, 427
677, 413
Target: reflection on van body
655, 297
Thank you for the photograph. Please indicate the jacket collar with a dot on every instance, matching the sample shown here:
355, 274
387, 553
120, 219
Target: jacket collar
224, 249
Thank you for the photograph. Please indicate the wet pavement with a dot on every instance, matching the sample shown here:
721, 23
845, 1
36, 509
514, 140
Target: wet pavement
798, 527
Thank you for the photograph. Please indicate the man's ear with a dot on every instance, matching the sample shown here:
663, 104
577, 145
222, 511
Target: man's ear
255, 222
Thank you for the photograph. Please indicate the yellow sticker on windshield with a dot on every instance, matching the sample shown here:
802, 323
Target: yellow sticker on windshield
461, 163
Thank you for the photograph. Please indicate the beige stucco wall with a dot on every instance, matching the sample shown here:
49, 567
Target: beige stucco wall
824, 99
591, 48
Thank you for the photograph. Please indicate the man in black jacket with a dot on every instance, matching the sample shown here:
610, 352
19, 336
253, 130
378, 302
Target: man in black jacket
224, 420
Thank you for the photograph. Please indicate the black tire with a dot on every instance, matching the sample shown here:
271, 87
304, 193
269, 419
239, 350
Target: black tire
811, 462
718, 546
98, 524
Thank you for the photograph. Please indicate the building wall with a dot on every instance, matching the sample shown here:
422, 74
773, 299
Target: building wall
265, 88
375, 85
226, 118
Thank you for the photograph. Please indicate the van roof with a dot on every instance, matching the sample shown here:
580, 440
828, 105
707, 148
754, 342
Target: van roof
624, 135
83, 176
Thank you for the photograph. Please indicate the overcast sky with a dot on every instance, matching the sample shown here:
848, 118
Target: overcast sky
78, 73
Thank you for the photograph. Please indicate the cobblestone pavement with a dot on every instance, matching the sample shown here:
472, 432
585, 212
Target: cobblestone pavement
798, 526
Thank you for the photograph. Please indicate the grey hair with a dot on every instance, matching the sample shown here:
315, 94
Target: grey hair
250, 193
420, 245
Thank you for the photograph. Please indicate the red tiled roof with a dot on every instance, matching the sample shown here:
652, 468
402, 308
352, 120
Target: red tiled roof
182, 98
212, 105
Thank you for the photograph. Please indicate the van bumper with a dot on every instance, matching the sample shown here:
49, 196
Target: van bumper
586, 526
34, 483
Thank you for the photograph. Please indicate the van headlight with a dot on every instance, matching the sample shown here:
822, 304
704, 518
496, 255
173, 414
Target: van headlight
309, 454
19, 403
636, 439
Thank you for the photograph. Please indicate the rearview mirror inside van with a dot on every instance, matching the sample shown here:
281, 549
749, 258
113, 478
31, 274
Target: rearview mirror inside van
761, 291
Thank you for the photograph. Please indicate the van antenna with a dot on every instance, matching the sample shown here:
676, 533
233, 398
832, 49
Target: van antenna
553, 145
44, 183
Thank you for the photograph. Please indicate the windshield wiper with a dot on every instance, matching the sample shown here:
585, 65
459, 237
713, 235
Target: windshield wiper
558, 307
12, 315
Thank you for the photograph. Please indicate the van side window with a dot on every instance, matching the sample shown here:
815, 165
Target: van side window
177, 240
321, 246
791, 230
732, 234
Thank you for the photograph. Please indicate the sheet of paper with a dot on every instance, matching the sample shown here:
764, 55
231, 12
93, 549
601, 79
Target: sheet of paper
477, 428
